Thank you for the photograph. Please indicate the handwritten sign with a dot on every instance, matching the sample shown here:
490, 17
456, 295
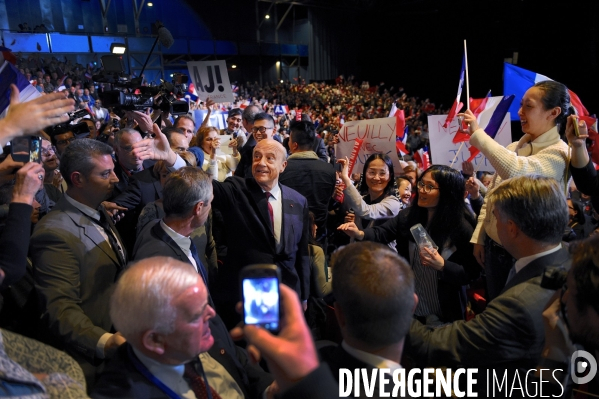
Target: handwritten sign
443, 150
379, 137
211, 79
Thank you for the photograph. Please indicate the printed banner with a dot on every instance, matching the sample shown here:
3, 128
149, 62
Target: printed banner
211, 79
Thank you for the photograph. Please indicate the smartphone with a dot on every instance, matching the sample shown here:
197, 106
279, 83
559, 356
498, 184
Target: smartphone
26, 149
261, 297
575, 125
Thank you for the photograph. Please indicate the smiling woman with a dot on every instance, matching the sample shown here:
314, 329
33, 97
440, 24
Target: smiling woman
543, 113
441, 275
377, 198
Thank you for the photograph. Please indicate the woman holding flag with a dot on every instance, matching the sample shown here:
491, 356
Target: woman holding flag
543, 113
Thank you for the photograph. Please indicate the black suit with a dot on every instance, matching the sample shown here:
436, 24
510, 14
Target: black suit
142, 188
244, 167
121, 379
153, 241
315, 180
251, 240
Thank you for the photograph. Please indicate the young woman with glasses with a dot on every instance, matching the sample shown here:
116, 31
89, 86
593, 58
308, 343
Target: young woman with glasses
441, 274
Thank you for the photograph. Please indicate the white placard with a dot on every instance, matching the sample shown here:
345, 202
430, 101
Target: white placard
378, 135
211, 79
443, 150
224, 148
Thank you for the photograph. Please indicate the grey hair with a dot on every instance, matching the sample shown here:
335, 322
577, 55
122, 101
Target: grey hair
119, 134
184, 188
536, 204
142, 299
78, 156
375, 288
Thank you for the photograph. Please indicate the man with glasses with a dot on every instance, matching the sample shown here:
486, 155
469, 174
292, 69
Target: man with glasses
507, 337
127, 164
234, 121
262, 127
61, 140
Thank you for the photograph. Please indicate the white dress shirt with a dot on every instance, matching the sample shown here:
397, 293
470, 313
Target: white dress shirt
182, 242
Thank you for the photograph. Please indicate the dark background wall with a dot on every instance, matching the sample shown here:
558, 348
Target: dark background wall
416, 44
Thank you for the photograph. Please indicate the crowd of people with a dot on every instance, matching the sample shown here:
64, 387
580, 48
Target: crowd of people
123, 248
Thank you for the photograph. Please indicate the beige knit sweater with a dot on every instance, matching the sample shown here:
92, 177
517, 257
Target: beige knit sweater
547, 155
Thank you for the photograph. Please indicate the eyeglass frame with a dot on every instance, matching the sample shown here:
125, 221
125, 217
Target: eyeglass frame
46, 152
427, 188
261, 129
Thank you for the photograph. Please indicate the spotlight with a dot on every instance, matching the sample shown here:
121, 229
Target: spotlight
267, 16
118, 48
278, 63
233, 66
150, 4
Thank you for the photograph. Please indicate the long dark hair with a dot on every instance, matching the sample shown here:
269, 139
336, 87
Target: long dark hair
390, 188
451, 213
579, 217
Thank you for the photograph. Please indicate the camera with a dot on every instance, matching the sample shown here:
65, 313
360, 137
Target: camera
162, 97
554, 278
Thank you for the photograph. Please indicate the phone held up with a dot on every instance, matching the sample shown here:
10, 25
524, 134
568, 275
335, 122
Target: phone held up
26, 149
261, 298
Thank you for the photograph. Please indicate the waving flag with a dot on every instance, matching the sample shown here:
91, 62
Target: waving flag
9, 74
491, 118
457, 105
422, 158
401, 134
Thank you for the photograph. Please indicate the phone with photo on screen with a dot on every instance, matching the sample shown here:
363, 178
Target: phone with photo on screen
260, 295
26, 149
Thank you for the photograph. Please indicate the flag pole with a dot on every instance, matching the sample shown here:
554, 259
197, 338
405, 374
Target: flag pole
467, 84
456, 155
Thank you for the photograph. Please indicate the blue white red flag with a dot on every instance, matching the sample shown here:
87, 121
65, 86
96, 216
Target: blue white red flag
457, 105
9, 74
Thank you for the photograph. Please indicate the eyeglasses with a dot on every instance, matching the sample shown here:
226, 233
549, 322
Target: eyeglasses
372, 174
48, 151
427, 188
65, 141
261, 129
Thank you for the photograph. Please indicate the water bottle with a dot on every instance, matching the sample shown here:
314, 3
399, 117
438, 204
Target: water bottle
423, 240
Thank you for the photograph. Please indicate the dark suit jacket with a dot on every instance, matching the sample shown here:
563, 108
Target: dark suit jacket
587, 181
120, 378
143, 187
74, 271
244, 167
315, 180
460, 269
508, 335
250, 239
153, 241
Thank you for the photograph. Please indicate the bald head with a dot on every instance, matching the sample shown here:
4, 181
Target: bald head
269, 161
144, 294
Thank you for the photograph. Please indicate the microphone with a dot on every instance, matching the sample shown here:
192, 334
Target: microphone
164, 37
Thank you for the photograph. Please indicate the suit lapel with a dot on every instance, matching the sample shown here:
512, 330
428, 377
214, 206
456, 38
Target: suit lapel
90, 229
159, 232
261, 208
537, 267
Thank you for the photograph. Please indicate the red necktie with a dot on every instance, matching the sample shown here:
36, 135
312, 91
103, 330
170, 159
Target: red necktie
197, 384
270, 212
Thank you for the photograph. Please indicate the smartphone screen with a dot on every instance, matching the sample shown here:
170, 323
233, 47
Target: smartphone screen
35, 150
261, 302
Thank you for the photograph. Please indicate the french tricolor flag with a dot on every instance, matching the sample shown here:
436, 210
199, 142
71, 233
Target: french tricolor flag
517, 80
9, 74
422, 158
401, 130
457, 105
491, 117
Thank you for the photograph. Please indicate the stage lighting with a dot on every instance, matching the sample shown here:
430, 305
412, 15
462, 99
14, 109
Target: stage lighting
118, 48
